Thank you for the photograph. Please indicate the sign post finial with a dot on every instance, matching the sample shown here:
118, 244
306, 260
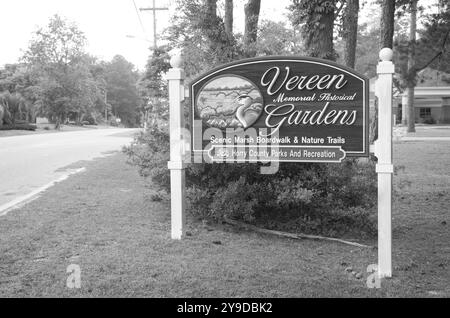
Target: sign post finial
176, 60
386, 54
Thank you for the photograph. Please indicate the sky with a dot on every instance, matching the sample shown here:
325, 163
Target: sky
113, 26
107, 24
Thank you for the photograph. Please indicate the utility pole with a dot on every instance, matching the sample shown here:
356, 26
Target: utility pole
154, 9
155, 43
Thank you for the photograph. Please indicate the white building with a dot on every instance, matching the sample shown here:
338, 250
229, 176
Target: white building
431, 98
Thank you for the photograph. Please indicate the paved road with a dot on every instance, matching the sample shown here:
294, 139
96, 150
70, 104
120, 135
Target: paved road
30, 162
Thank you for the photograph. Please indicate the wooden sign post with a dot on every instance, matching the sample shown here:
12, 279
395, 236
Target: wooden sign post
384, 167
175, 76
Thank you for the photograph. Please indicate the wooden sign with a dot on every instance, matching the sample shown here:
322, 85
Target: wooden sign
280, 109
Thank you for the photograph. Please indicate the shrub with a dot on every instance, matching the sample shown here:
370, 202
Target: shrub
426, 120
150, 153
349, 222
429, 121
18, 127
333, 199
90, 119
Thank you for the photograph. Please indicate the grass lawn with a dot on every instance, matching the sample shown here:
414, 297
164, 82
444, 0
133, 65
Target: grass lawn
9, 133
104, 221
430, 131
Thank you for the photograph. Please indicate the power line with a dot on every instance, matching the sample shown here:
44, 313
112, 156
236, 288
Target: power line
139, 17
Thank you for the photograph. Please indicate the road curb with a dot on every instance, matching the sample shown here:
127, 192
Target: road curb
20, 201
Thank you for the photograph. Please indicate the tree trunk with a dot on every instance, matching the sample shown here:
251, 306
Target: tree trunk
229, 17
412, 66
252, 8
386, 40
2, 113
221, 44
411, 112
58, 122
319, 40
209, 18
387, 23
350, 26
211, 8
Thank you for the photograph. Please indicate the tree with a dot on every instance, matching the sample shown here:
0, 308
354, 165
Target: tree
367, 48
57, 60
251, 9
412, 71
152, 81
97, 69
433, 46
229, 17
386, 40
350, 31
152, 88
275, 38
316, 19
431, 50
59, 43
197, 28
387, 23
213, 27
16, 79
408, 52
11, 106
367, 52
121, 79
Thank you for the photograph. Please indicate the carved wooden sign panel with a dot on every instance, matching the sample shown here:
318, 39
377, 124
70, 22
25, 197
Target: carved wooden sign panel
280, 109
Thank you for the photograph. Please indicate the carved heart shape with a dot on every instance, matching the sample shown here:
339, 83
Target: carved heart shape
248, 115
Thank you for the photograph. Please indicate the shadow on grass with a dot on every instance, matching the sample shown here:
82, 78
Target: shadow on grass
105, 221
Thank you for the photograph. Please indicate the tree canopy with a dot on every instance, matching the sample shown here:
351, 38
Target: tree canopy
58, 79
121, 79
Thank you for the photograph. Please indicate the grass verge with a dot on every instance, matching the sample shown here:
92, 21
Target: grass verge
105, 221
64, 128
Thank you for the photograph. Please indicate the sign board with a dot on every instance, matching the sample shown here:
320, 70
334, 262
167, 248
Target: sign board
280, 109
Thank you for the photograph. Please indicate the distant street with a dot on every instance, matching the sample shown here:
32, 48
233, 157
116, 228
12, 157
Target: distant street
30, 162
